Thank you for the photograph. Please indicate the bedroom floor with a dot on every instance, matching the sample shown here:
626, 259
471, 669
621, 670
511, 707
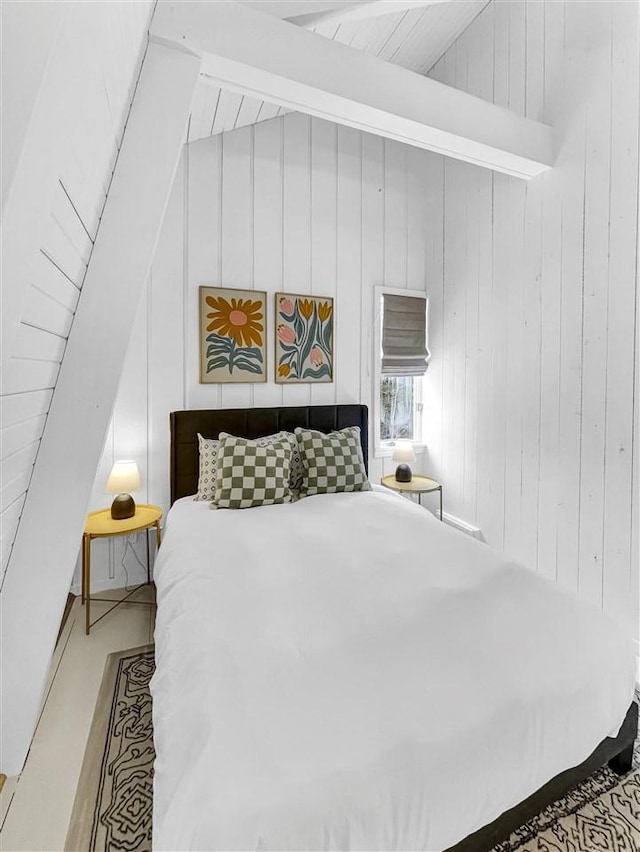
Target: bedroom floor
36, 807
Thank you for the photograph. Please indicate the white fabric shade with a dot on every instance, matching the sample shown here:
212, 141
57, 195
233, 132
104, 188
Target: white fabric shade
404, 334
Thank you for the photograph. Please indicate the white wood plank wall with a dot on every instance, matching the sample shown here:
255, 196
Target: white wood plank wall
295, 204
85, 96
533, 287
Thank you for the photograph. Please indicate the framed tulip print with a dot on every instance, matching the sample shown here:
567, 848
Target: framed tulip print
304, 338
232, 335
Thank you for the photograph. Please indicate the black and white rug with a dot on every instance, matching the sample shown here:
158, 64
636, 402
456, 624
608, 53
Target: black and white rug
113, 805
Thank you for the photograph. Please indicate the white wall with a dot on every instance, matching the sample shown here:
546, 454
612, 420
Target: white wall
530, 417
294, 204
533, 302
68, 71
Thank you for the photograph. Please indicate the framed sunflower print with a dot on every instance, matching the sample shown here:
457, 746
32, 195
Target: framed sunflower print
304, 338
232, 335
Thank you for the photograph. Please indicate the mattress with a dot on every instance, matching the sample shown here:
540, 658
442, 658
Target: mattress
346, 672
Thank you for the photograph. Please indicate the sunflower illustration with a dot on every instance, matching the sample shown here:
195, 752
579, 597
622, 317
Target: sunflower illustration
239, 319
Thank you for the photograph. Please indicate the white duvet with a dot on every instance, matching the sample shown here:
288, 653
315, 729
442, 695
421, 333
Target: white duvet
346, 672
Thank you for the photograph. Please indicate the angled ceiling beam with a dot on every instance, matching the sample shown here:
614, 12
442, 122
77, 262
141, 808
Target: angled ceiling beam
53, 517
294, 8
359, 11
263, 57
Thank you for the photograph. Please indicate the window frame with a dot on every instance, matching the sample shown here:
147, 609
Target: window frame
384, 449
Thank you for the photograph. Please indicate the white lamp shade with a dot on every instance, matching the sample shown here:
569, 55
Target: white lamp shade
403, 452
124, 477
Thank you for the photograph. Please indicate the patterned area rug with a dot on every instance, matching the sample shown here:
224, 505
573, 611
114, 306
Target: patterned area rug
600, 815
113, 805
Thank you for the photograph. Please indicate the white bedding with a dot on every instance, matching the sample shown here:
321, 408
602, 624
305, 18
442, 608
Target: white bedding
346, 672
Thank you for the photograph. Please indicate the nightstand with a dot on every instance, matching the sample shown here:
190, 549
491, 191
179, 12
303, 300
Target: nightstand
418, 485
100, 525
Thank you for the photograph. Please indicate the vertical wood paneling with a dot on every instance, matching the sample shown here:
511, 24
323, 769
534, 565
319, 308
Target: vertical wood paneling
68, 156
237, 233
549, 273
621, 547
165, 342
296, 224
348, 323
373, 196
571, 160
454, 317
267, 240
395, 214
434, 270
324, 229
293, 204
595, 319
203, 162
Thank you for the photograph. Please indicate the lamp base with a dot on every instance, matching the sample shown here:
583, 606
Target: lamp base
403, 473
123, 507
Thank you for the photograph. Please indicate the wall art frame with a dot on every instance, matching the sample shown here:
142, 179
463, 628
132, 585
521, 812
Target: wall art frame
304, 326
232, 334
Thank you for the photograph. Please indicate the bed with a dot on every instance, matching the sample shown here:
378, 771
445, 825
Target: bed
346, 672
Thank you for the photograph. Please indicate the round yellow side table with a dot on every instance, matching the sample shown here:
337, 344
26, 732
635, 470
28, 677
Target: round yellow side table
417, 485
100, 524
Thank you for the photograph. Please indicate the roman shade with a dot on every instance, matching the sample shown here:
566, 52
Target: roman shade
404, 334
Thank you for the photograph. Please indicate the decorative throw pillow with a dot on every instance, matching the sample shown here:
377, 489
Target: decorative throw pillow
252, 473
333, 462
296, 471
208, 448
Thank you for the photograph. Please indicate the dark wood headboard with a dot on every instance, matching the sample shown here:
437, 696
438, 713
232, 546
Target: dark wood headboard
250, 423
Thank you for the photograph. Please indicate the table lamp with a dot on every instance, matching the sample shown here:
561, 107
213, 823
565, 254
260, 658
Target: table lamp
403, 453
124, 477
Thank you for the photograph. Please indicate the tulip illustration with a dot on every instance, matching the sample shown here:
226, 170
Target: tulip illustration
306, 307
316, 356
284, 370
324, 311
286, 334
286, 306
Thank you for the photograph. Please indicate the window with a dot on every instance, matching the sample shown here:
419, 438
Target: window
401, 361
399, 408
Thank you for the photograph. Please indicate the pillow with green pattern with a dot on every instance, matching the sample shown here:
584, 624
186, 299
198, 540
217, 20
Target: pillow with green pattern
252, 473
332, 462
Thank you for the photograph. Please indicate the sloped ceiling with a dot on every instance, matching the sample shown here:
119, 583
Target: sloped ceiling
413, 38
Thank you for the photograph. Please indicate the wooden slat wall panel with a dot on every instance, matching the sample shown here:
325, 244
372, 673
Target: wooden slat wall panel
203, 258
414, 39
16, 437
23, 406
296, 224
267, 235
293, 204
620, 547
33, 343
544, 342
237, 233
9, 520
98, 58
18, 466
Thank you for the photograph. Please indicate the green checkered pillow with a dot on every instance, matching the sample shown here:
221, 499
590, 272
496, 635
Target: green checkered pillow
333, 462
252, 473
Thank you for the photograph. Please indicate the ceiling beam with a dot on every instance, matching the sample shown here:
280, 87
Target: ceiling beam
263, 57
44, 553
295, 8
359, 11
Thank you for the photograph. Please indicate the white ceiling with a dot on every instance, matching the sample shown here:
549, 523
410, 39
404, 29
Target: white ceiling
413, 38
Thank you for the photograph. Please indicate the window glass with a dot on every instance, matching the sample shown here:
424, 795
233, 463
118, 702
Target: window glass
397, 407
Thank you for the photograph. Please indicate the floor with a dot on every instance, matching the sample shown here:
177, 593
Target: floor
35, 808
